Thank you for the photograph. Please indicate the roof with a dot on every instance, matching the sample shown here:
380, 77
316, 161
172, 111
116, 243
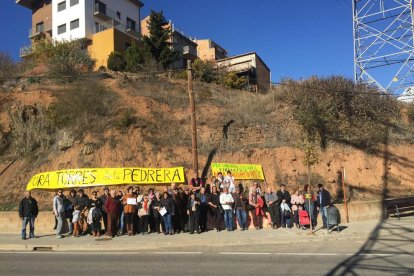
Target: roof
242, 55
137, 2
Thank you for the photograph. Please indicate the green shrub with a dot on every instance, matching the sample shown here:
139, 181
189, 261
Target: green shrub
232, 80
205, 71
116, 62
134, 59
65, 58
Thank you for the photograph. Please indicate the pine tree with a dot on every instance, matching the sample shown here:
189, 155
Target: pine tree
158, 40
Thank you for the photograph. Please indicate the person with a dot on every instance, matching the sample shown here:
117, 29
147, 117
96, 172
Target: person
297, 202
219, 181
256, 203
95, 214
202, 209
310, 198
230, 180
240, 206
272, 207
282, 194
135, 221
151, 196
143, 213
121, 215
130, 210
157, 218
167, 205
215, 208
196, 183
28, 211
180, 210
75, 221
59, 211
112, 206
255, 187
185, 194
193, 208
323, 201
226, 201
70, 208
83, 201
286, 214
103, 199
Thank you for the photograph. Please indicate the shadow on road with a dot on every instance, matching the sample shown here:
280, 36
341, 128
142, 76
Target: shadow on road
390, 238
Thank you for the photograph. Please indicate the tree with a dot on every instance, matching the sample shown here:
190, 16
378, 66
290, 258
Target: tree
63, 58
158, 41
311, 157
205, 71
116, 62
134, 58
232, 80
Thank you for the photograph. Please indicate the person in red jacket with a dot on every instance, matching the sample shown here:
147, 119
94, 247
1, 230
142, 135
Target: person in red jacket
112, 206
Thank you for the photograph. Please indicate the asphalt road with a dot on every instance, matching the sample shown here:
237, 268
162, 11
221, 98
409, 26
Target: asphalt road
308, 259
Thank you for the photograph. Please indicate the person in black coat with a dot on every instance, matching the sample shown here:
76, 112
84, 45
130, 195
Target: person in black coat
28, 211
167, 204
283, 194
323, 201
193, 208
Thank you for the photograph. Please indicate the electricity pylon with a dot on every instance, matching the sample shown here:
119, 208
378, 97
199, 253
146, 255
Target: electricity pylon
383, 43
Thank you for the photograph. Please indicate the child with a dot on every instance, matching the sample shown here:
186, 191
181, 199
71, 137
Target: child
75, 221
286, 214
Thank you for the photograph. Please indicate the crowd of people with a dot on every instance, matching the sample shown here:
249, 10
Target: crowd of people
200, 207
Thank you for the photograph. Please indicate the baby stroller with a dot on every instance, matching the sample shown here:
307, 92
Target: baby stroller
303, 218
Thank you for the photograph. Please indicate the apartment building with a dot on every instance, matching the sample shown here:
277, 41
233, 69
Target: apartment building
178, 40
252, 67
209, 50
104, 25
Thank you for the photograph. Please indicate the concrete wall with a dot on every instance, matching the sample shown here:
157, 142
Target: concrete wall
263, 76
103, 43
208, 50
358, 211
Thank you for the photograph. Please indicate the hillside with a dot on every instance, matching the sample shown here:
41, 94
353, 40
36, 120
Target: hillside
127, 120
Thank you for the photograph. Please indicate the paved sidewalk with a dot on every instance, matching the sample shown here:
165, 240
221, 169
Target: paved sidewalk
353, 231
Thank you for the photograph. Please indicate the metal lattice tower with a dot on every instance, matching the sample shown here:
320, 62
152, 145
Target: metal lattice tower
383, 43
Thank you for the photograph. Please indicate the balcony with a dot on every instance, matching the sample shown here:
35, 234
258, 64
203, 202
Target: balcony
100, 27
25, 51
103, 13
40, 31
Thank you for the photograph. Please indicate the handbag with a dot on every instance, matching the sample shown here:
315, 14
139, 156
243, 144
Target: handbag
221, 210
251, 207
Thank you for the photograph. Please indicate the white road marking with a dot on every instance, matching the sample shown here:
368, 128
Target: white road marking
175, 253
244, 253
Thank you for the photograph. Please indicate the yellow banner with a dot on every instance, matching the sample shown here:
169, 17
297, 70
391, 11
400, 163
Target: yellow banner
239, 171
105, 177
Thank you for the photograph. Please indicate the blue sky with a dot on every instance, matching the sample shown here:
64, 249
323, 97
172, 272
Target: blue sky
296, 39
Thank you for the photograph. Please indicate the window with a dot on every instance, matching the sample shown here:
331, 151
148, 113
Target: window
61, 6
74, 2
99, 27
39, 27
131, 25
100, 7
62, 29
74, 24
118, 15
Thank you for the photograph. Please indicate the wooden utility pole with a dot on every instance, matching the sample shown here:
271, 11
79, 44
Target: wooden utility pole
345, 199
193, 116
